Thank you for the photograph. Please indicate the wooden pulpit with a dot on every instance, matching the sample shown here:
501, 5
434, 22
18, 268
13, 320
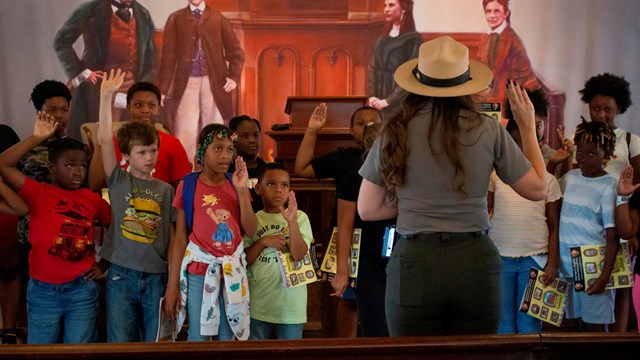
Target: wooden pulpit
334, 134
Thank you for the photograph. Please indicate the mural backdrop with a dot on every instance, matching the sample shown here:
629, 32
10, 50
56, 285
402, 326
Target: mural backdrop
566, 42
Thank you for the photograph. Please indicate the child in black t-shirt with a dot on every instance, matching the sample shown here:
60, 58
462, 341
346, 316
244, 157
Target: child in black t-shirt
336, 164
371, 272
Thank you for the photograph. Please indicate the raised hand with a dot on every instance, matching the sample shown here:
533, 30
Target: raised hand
567, 144
291, 212
240, 177
319, 117
521, 106
45, 125
112, 82
625, 183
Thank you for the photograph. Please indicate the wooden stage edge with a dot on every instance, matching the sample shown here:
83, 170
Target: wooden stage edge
535, 346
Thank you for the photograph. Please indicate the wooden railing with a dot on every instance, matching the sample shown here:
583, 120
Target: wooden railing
543, 346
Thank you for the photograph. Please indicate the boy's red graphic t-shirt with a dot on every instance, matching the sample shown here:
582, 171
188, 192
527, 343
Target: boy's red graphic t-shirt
61, 230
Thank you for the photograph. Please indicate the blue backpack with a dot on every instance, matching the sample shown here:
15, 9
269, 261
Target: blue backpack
189, 192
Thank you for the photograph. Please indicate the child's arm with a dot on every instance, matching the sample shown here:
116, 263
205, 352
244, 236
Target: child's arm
346, 217
532, 185
10, 202
562, 156
103, 216
297, 246
95, 175
553, 221
491, 193
626, 218
177, 247
248, 219
302, 165
372, 204
110, 84
490, 201
611, 249
254, 250
44, 128
98, 268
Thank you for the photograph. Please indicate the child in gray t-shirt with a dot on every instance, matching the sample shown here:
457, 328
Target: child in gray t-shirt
137, 242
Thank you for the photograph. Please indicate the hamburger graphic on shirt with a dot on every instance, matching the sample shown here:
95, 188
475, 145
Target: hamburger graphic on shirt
141, 220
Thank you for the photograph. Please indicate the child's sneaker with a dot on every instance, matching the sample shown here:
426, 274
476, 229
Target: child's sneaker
9, 337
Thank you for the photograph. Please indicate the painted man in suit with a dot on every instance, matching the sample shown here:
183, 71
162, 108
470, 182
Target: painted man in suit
198, 44
116, 34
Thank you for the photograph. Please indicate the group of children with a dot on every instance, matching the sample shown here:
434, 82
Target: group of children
200, 241
184, 243
584, 206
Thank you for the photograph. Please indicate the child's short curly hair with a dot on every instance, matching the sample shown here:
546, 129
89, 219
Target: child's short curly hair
60, 146
235, 122
141, 86
268, 167
608, 85
136, 133
597, 132
48, 89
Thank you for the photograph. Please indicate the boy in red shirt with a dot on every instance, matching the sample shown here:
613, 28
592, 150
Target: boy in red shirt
62, 298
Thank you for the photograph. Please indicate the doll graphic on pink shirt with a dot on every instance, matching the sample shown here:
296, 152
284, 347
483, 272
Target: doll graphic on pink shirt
223, 234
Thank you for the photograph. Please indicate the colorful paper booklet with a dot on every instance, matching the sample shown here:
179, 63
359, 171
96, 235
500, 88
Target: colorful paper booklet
546, 303
587, 262
296, 273
330, 261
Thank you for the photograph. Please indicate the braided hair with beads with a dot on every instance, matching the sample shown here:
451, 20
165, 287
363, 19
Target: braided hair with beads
597, 132
207, 135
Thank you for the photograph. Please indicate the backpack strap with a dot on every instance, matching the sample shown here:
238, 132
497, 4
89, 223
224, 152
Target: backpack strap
188, 194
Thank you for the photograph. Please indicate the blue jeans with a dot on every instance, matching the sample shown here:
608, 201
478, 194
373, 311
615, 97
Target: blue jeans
195, 285
133, 304
66, 312
261, 330
515, 275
